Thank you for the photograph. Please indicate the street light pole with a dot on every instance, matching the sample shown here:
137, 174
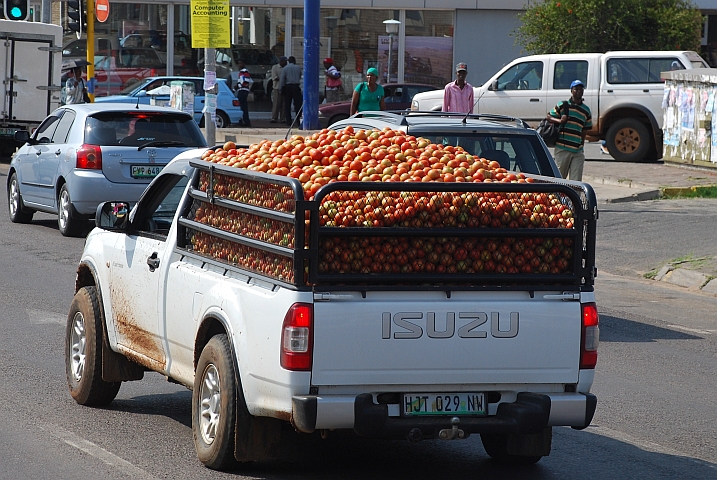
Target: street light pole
392, 27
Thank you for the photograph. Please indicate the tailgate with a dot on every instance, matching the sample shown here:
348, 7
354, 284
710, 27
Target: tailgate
426, 338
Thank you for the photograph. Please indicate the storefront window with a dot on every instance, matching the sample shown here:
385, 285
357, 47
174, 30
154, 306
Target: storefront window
429, 47
356, 40
132, 45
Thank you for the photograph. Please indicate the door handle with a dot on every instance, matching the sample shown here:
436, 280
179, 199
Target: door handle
646, 91
534, 99
153, 262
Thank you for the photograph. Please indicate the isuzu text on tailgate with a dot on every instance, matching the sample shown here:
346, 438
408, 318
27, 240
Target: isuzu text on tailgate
396, 309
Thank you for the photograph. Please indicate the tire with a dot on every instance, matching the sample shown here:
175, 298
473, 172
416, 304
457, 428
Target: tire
83, 351
214, 405
496, 446
628, 140
222, 120
18, 212
68, 220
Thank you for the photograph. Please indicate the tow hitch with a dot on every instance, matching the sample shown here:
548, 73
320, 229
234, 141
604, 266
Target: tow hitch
454, 432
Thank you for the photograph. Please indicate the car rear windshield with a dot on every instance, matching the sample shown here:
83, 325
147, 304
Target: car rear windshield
518, 153
140, 128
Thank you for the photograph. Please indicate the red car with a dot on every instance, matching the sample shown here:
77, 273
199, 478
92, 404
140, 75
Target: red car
398, 97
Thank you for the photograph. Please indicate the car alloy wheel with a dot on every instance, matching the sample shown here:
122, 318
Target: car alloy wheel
210, 401
78, 340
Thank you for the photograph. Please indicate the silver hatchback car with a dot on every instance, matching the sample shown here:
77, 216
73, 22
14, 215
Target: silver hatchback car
82, 155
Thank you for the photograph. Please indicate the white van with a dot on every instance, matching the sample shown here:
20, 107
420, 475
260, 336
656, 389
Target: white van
623, 90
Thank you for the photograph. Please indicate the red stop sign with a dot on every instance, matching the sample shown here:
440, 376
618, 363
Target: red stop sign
102, 10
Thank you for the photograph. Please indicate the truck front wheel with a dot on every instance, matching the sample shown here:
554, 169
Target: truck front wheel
628, 140
83, 351
517, 449
214, 405
18, 212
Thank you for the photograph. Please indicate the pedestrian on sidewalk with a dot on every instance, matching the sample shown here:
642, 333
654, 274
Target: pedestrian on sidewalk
575, 120
458, 95
368, 95
289, 84
277, 99
75, 88
333, 81
243, 89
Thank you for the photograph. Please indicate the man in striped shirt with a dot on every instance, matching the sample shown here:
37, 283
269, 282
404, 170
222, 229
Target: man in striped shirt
575, 120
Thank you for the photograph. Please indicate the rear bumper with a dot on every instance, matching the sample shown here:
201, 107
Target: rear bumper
530, 413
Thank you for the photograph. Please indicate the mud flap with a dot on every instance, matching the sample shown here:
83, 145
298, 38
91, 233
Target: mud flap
531, 444
256, 438
116, 367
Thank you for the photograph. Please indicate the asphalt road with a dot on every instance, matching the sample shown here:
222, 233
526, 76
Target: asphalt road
655, 379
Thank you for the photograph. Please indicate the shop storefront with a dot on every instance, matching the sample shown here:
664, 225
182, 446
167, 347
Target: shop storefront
145, 39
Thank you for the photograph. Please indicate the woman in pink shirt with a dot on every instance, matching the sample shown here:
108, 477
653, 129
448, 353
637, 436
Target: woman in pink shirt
458, 95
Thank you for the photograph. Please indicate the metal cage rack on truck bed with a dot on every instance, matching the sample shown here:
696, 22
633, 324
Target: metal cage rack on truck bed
434, 236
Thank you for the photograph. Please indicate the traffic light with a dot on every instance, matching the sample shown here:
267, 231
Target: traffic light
16, 9
76, 11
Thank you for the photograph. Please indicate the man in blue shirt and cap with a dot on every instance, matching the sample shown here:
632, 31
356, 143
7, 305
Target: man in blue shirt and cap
575, 120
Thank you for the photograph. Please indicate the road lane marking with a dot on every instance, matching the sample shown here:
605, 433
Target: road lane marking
98, 452
44, 317
692, 330
648, 445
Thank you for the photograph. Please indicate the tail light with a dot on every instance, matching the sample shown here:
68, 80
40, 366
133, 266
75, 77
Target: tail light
89, 157
297, 337
235, 103
590, 337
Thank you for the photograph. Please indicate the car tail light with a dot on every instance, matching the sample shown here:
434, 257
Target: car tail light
590, 337
235, 103
89, 157
297, 337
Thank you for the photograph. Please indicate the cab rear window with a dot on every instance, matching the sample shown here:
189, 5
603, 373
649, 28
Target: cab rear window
517, 153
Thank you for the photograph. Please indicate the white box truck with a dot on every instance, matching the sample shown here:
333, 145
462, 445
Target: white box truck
30, 62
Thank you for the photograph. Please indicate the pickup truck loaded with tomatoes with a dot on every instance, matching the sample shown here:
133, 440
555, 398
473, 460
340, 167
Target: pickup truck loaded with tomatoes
350, 280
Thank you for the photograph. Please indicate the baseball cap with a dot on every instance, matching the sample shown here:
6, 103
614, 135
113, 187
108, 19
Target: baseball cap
577, 83
461, 66
372, 71
328, 60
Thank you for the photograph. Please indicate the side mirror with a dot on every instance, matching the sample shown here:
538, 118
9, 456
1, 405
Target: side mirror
113, 216
493, 85
22, 136
142, 93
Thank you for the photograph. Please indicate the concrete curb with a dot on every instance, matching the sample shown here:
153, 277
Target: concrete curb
689, 279
677, 191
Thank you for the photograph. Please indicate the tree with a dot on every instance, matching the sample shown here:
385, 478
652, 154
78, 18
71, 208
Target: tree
577, 26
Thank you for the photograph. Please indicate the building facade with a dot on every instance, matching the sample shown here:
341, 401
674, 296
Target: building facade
154, 37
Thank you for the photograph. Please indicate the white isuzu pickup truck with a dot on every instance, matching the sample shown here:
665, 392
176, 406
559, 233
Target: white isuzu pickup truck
230, 282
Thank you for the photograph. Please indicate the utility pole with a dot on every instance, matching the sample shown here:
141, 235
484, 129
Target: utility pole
210, 71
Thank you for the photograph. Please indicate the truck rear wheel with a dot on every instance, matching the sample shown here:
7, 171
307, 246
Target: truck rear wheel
83, 351
214, 405
517, 449
628, 140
